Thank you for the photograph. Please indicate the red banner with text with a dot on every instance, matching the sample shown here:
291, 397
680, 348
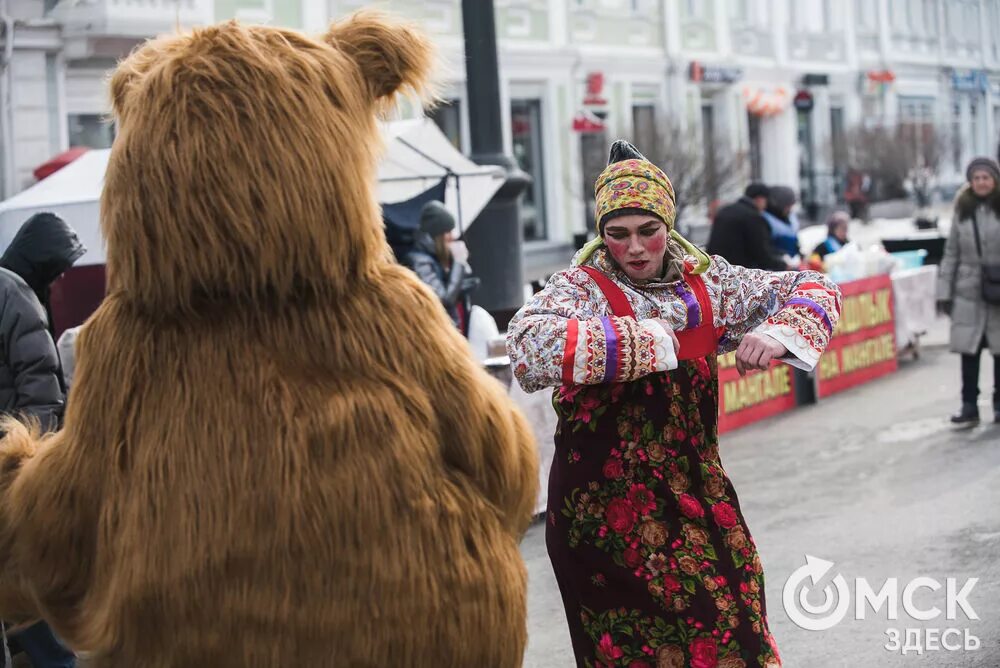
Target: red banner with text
758, 395
863, 346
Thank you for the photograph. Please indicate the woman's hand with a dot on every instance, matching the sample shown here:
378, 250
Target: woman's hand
459, 251
757, 351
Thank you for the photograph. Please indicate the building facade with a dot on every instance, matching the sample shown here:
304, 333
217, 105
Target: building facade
779, 84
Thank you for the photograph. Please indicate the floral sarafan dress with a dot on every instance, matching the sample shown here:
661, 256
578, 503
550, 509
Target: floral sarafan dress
654, 560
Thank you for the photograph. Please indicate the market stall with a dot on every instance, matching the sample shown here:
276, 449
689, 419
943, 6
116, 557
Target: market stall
863, 346
756, 396
913, 291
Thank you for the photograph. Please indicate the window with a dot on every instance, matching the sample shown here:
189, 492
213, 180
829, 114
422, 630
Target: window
916, 127
930, 17
526, 134
708, 141
899, 19
696, 9
52, 98
807, 156
956, 137
970, 14
93, 130
996, 127
995, 34
593, 158
976, 128
644, 127
811, 15
916, 12
953, 21
866, 15
838, 141
448, 117
739, 12
753, 126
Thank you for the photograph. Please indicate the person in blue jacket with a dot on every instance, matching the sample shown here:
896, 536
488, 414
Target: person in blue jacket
780, 215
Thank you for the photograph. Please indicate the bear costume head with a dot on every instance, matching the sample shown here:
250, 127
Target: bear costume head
244, 160
277, 450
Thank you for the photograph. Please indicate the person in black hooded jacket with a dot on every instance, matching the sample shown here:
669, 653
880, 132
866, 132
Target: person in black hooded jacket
742, 236
30, 376
31, 383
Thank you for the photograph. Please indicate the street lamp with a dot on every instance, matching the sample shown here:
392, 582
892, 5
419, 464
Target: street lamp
495, 241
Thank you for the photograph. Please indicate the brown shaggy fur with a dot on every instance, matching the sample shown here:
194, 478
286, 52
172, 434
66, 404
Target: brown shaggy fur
278, 451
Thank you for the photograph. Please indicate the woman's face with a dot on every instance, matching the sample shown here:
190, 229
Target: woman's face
840, 231
982, 183
637, 243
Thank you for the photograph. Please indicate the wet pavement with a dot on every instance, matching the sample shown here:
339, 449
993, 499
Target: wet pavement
873, 480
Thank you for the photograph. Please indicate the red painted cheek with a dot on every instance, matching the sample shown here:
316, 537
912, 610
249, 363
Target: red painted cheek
618, 248
655, 245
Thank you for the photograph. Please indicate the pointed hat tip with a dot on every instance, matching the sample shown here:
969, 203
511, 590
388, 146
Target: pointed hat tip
623, 150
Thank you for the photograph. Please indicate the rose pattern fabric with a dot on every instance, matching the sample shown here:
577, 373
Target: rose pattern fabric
655, 563
655, 514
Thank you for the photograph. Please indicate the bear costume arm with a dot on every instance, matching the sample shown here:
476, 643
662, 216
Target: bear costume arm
483, 435
50, 502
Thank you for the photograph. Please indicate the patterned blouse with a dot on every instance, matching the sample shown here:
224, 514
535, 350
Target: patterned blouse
566, 334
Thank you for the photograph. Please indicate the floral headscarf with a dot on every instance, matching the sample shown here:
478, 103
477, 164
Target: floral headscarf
634, 184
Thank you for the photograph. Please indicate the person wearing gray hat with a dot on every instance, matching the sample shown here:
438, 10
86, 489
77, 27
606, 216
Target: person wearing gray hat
968, 287
441, 261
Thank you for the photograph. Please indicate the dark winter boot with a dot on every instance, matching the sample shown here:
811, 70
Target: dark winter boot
996, 409
967, 417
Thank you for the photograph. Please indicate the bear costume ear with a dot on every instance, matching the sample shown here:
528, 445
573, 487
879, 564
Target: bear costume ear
125, 75
393, 57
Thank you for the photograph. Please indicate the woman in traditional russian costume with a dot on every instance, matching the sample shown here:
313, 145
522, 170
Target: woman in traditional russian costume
653, 558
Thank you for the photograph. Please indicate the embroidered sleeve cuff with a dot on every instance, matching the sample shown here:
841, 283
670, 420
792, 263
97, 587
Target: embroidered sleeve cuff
801, 354
664, 355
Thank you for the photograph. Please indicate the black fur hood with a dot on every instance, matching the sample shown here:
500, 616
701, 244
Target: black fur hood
966, 203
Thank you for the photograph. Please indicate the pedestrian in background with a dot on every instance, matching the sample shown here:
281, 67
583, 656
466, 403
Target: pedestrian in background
856, 193
837, 227
780, 215
742, 235
441, 261
969, 283
31, 381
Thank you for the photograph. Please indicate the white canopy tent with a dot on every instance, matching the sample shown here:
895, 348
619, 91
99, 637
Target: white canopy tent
417, 156
72, 193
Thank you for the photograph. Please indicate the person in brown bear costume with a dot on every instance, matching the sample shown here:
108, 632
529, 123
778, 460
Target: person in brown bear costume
253, 471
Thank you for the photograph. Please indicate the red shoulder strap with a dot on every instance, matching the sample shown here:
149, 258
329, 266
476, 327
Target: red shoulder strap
703, 340
620, 305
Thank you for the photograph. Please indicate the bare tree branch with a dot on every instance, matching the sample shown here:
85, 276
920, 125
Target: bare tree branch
892, 155
699, 173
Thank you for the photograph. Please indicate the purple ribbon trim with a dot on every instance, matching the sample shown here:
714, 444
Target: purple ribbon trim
693, 310
815, 308
611, 346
